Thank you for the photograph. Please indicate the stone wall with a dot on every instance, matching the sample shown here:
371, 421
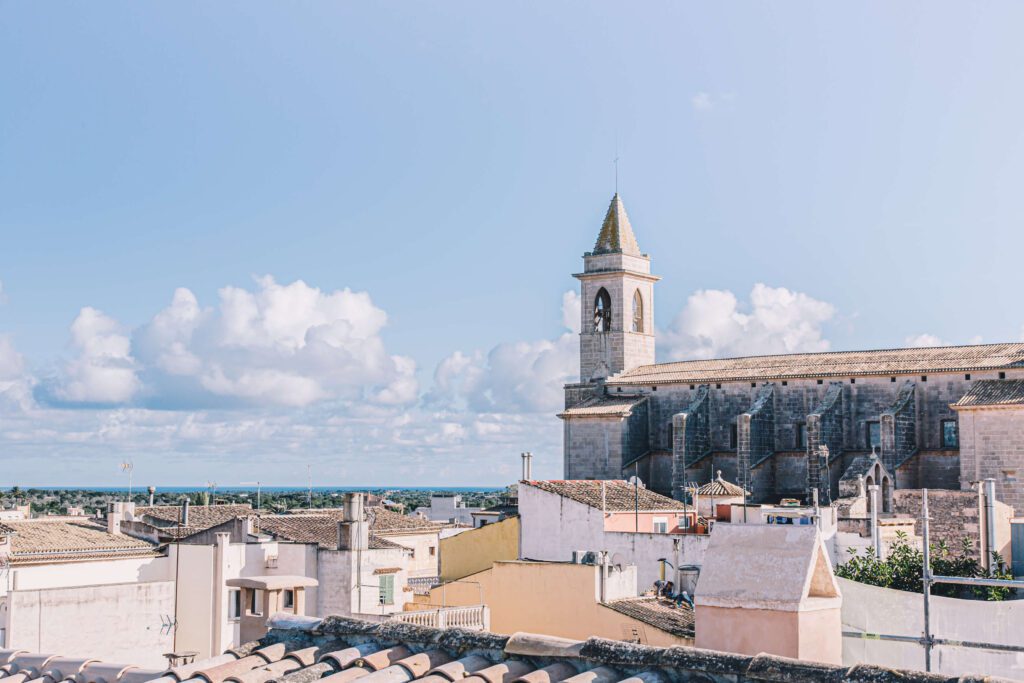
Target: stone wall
756, 444
954, 516
899, 430
824, 431
992, 446
691, 439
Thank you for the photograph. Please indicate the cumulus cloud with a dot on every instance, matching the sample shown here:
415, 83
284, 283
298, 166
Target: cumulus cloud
925, 339
523, 376
715, 324
103, 370
285, 344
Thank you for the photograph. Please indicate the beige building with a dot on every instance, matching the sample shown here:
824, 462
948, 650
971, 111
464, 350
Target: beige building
568, 600
769, 589
477, 549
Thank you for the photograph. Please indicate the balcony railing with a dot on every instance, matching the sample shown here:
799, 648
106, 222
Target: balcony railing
473, 618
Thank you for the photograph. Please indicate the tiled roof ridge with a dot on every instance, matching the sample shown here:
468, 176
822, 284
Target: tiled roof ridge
678, 663
834, 353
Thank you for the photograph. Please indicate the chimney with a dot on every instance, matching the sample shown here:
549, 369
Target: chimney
184, 512
353, 533
114, 517
527, 465
152, 491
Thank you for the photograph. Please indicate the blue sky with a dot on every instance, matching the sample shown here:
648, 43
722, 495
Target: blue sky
805, 176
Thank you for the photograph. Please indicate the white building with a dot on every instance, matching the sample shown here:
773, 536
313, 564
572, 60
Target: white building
446, 507
560, 517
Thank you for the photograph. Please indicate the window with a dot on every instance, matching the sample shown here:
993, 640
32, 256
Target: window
638, 312
288, 599
874, 434
256, 602
433, 551
602, 311
387, 589
684, 522
234, 603
661, 525
801, 435
733, 437
950, 435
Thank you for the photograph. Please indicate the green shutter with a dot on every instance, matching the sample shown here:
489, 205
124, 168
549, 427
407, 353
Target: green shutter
387, 589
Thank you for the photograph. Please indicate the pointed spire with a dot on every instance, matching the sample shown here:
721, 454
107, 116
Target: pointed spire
616, 233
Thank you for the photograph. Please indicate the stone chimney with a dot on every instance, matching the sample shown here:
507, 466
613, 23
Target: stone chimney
353, 531
117, 512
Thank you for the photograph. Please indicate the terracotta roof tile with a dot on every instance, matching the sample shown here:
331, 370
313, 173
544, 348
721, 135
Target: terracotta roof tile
993, 392
604, 406
36, 541
617, 495
660, 614
720, 487
315, 528
199, 516
829, 364
4, 529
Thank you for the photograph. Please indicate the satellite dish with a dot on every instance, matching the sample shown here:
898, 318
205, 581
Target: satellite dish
618, 561
636, 481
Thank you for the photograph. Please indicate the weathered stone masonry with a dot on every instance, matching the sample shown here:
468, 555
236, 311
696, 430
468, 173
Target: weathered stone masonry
691, 439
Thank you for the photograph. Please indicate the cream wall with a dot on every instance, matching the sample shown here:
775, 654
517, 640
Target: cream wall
558, 599
127, 623
553, 527
422, 563
347, 591
477, 549
883, 610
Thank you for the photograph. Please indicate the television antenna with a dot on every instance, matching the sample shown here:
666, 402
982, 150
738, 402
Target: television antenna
127, 466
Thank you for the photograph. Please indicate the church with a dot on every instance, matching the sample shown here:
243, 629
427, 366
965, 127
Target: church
783, 425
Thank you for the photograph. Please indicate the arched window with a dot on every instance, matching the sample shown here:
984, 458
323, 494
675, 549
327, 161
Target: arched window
638, 312
602, 311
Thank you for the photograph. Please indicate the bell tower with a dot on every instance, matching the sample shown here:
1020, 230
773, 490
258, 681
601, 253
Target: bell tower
617, 301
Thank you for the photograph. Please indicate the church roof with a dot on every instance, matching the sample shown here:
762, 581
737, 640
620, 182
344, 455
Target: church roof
612, 495
616, 233
993, 392
829, 364
604, 406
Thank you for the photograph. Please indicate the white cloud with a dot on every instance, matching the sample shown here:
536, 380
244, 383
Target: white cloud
925, 339
702, 101
290, 345
523, 376
104, 370
777, 320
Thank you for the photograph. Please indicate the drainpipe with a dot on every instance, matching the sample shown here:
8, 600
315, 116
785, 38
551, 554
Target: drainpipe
990, 523
220, 561
817, 508
876, 538
603, 581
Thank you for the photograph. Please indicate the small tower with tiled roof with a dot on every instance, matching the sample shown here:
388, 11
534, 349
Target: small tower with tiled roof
617, 291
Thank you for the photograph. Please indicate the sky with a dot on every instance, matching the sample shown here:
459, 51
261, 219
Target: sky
240, 238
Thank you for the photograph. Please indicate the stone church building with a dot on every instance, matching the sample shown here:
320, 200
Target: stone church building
778, 425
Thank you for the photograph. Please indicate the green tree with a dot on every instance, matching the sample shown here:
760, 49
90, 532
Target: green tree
902, 569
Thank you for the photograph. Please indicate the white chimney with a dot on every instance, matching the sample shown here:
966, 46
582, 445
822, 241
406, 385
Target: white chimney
527, 465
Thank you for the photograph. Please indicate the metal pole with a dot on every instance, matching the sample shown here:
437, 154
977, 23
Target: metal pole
636, 504
817, 508
876, 538
926, 578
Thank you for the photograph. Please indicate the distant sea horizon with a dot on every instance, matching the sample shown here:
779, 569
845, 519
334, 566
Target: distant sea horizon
244, 489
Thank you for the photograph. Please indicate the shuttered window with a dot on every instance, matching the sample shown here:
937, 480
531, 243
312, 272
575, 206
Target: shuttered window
387, 589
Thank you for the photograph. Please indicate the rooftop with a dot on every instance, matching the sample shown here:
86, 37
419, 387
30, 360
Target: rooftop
720, 487
321, 529
988, 392
612, 495
39, 541
199, 516
616, 236
830, 364
382, 520
604, 406
305, 650
660, 614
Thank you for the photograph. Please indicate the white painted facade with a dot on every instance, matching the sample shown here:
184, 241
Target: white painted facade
883, 610
447, 509
552, 527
